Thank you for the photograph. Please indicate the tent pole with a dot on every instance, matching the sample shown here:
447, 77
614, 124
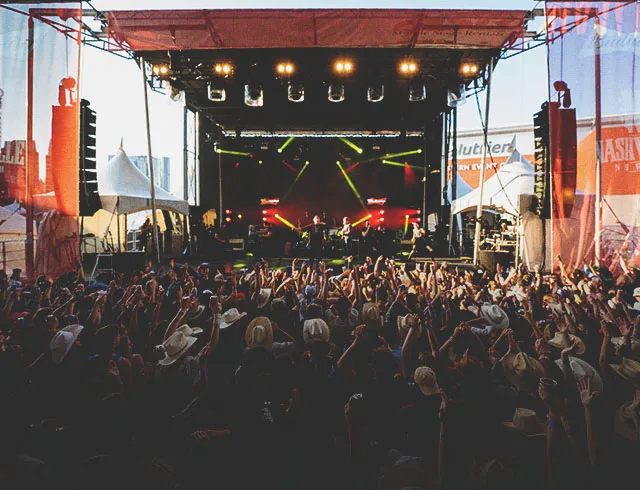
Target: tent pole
156, 248
126, 233
598, 121
476, 239
119, 238
30, 168
220, 188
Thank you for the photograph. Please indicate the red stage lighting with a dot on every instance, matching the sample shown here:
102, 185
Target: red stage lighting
381, 219
264, 218
228, 211
228, 219
381, 211
264, 211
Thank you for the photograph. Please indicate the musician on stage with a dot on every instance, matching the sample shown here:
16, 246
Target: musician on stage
367, 238
417, 240
346, 233
317, 237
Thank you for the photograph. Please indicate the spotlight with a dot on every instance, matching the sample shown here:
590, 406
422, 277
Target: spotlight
253, 95
343, 67
259, 162
228, 211
228, 219
336, 93
457, 97
295, 92
239, 216
375, 93
285, 68
223, 69
417, 92
381, 212
408, 67
264, 218
264, 211
468, 70
161, 70
216, 94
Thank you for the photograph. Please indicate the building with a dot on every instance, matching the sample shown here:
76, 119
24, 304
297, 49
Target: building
161, 169
13, 172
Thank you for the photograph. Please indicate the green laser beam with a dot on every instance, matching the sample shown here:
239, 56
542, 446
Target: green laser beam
351, 184
351, 145
286, 143
306, 164
230, 152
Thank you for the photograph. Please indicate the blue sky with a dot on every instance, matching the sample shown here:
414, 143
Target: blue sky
114, 85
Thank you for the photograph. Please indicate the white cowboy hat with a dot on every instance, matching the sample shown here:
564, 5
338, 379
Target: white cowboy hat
426, 380
559, 342
175, 346
62, 342
582, 368
371, 316
495, 316
259, 333
193, 315
229, 317
474, 309
636, 293
263, 297
189, 331
315, 330
526, 422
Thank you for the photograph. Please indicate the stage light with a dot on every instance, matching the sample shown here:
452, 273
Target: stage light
381, 219
469, 70
304, 167
362, 220
381, 212
223, 69
336, 93
232, 152
457, 97
408, 67
228, 211
286, 222
295, 92
216, 94
398, 164
406, 223
259, 162
239, 216
264, 218
285, 144
253, 95
343, 67
161, 70
351, 184
375, 93
228, 219
264, 211
285, 68
351, 145
417, 91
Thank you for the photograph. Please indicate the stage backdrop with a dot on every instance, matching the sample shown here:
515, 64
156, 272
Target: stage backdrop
593, 47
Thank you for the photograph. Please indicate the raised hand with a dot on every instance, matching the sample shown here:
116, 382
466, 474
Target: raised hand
584, 387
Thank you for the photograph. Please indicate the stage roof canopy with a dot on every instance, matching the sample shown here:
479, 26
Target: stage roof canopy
377, 42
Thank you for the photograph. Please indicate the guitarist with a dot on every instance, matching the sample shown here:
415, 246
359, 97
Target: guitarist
417, 240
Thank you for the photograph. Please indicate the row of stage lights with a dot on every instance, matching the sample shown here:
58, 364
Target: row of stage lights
254, 94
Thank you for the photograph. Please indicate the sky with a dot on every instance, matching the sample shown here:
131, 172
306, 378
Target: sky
114, 85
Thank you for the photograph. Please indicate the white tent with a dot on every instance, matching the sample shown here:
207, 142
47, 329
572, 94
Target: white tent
124, 189
514, 178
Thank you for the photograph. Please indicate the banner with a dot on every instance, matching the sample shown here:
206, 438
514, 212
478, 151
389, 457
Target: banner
592, 48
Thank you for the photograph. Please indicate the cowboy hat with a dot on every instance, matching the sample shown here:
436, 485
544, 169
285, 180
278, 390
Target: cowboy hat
229, 317
636, 293
426, 380
522, 371
189, 331
62, 342
263, 297
406, 322
525, 422
495, 316
629, 369
315, 330
175, 346
194, 315
624, 423
559, 342
581, 369
634, 344
371, 316
259, 333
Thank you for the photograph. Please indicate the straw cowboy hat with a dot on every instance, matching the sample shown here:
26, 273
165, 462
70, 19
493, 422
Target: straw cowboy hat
315, 330
495, 315
426, 380
581, 368
189, 331
629, 369
263, 297
259, 333
559, 342
175, 346
526, 422
624, 422
371, 316
406, 322
634, 344
62, 342
194, 315
522, 371
229, 317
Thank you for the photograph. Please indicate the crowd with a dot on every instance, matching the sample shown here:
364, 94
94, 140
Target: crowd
384, 375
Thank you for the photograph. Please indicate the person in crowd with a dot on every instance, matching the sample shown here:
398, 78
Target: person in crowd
375, 376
